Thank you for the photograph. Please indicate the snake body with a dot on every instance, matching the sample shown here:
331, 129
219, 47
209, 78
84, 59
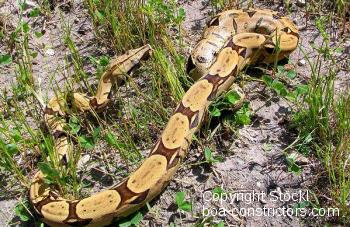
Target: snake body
232, 40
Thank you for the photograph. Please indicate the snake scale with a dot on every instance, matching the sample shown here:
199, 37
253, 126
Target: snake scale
232, 40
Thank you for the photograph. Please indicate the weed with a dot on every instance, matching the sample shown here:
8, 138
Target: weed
22, 210
181, 203
5, 59
292, 165
209, 158
323, 124
134, 220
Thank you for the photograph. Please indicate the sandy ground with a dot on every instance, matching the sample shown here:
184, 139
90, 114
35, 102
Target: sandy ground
254, 159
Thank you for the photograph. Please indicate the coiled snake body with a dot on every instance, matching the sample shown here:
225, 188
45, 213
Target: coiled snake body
232, 40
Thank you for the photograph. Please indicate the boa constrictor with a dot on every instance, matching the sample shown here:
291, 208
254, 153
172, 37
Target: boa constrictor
232, 40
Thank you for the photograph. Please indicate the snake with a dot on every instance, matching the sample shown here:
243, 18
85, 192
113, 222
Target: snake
232, 40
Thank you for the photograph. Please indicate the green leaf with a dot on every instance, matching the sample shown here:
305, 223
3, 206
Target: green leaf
5, 59
34, 13
302, 204
233, 97
186, 206
243, 119
292, 166
242, 116
220, 224
111, 139
100, 15
267, 79
182, 12
125, 224
208, 154
219, 191
16, 135
302, 89
280, 69
34, 54
295, 169
137, 218
267, 147
11, 148
48, 170
308, 138
215, 112
22, 212
104, 61
180, 16
279, 88
179, 198
181, 203
23, 5
38, 34
74, 125
339, 49
86, 142
96, 134
292, 96
291, 74
134, 221
25, 27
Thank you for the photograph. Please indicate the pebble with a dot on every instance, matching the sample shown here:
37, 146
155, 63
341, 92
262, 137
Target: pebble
301, 3
301, 62
50, 52
258, 184
83, 160
31, 3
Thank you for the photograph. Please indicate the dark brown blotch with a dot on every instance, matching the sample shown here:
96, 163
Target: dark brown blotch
190, 65
174, 162
250, 12
49, 111
77, 221
58, 134
164, 151
125, 193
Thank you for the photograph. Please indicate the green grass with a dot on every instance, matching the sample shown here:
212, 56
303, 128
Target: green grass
326, 120
323, 120
340, 7
134, 123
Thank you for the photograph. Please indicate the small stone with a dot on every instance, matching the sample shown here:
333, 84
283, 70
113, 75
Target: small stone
301, 3
301, 62
258, 184
288, 67
83, 160
50, 52
31, 3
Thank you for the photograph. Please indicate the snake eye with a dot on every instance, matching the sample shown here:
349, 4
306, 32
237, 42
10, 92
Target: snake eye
287, 30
